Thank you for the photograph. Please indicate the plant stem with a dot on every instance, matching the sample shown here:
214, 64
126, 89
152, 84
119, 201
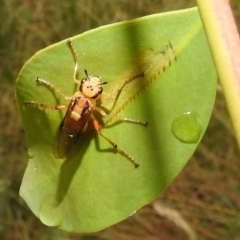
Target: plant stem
224, 41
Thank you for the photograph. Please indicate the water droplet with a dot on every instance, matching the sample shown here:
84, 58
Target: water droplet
186, 128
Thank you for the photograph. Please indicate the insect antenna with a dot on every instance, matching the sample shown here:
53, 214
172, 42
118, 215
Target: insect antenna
104, 83
75, 57
86, 73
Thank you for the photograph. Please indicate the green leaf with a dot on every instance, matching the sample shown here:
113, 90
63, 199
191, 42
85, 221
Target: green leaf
96, 186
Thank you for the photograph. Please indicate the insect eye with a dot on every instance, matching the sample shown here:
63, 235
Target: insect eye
82, 82
100, 90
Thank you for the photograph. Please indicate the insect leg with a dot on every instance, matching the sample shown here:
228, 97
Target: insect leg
129, 79
43, 105
124, 119
121, 86
100, 111
130, 120
51, 86
75, 57
121, 151
114, 145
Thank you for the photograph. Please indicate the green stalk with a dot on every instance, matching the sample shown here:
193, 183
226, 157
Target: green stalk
224, 42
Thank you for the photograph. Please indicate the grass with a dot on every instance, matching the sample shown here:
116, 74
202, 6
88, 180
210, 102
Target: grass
205, 195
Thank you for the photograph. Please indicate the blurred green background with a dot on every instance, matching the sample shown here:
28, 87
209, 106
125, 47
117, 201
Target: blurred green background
203, 201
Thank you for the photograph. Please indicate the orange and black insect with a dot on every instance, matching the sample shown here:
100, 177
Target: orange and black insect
80, 110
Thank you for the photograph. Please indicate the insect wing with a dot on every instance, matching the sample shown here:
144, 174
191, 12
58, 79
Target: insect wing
72, 125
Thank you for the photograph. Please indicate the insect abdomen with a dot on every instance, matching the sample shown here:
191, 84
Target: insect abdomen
72, 125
